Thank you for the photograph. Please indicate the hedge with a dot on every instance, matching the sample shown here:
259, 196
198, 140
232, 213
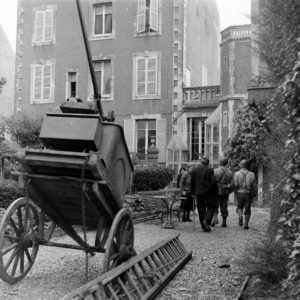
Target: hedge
10, 191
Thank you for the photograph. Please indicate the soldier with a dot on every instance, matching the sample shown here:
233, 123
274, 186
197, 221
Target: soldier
224, 178
203, 186
245, 190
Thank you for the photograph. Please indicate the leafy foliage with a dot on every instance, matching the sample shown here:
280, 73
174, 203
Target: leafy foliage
291, 204
25, 130
247, 142
151, 178
278, 30
9, 191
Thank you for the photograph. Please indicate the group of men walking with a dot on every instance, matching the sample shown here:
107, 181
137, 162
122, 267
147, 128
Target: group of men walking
211, 188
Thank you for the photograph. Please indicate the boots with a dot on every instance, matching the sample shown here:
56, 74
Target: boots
215, 220
224, 222
247, 218
240, 213
187, 218
206, 227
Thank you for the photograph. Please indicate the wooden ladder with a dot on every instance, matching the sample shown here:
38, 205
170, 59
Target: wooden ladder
142, 277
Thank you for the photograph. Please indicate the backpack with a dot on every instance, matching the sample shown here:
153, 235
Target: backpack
224, 187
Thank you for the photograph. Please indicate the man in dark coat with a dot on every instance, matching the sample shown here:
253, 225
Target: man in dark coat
204, 187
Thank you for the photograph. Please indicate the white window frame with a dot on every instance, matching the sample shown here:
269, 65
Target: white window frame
46, 31
146, 133
147, 56
42, 99
212, 142
68, 83
101, 63
155, 16
92, 14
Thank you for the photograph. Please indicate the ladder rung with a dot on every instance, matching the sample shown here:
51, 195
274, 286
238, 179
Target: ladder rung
141, 277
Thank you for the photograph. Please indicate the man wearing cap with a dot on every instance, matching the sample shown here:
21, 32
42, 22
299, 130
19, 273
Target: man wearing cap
203, 186
224, 178
245, 190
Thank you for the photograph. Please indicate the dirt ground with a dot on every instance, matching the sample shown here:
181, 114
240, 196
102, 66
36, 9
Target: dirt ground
58, 271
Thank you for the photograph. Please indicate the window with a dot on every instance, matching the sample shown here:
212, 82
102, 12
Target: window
146, 135
146, 76
43, 28
71, 85
212, 143
196, 137
103, 72
102, 19
42, 83
148, 16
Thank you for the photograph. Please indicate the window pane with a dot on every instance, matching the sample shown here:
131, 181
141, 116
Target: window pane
141, 64
216, 133
141, 141
151, 135
215, 152
141, 124
151, 89
141, 76
152, 124
98, 79
141, 89
152, 64
98, 24
151, 76
108, 23
46, 94
208, 133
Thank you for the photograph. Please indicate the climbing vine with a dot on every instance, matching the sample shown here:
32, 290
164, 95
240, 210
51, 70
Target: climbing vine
247, 141
290, 219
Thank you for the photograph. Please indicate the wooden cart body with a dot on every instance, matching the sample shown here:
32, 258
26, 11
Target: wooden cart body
82, 180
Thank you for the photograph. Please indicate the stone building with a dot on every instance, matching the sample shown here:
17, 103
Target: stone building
146, 56
7, 65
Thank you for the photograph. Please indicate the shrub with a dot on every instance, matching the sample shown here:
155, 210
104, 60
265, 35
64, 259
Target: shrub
9, 191
151, 178
267, 261
25, 130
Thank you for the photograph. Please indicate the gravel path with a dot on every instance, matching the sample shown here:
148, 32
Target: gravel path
58, 271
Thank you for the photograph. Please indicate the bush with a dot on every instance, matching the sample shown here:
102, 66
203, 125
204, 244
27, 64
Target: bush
25, 130
151, 178
10, 191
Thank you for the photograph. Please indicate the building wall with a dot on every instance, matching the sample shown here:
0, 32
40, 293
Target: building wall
235, 60
202, 51
7, 62
178, 25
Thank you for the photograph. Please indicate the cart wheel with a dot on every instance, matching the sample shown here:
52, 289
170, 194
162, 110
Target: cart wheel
120, 241
19, 228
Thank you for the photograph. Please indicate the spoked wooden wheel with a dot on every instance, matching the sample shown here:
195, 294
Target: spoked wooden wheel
19, 229
120, 241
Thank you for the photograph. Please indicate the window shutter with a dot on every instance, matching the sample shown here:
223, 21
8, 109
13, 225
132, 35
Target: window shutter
48, 25
129, 134
39, 17
154, 15
141, 16
161, 143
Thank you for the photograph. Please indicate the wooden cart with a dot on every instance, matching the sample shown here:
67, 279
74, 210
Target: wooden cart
82, 182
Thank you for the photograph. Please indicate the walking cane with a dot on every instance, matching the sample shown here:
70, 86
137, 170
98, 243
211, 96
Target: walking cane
193, 213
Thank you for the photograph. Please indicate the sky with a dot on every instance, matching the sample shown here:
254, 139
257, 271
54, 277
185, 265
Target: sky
232, 12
